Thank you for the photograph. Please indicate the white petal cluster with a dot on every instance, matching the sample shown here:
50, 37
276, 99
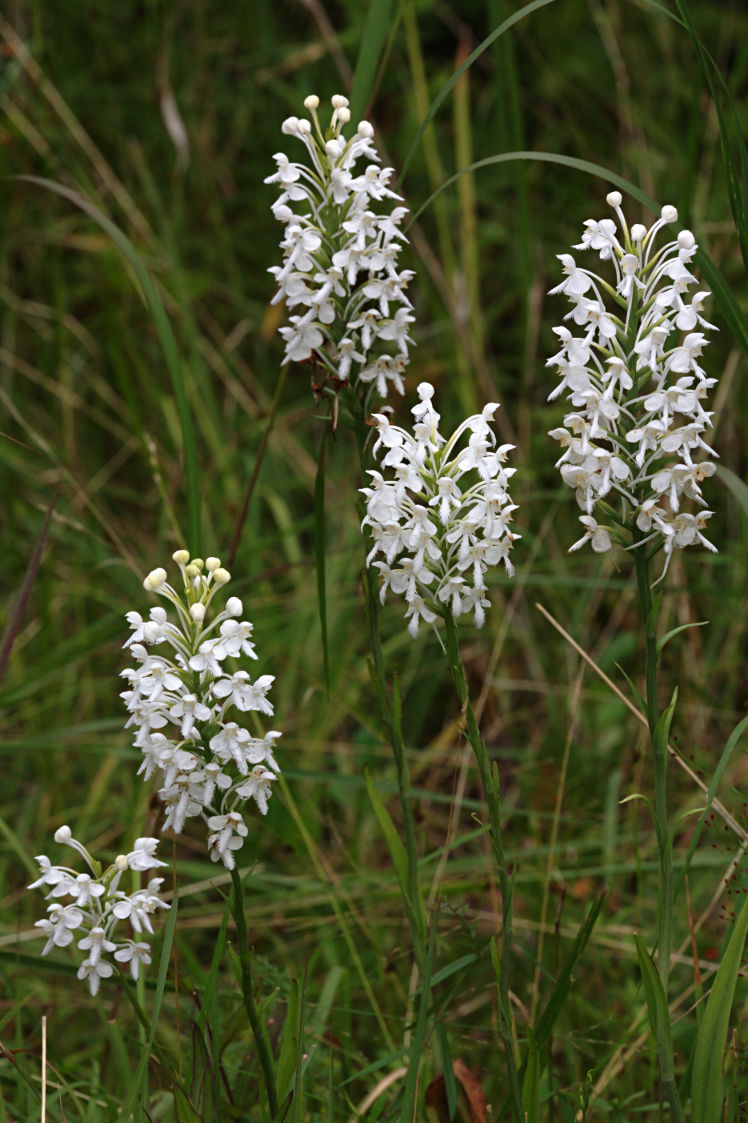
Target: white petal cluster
629, 365
341, 244
187, 700
88, 907
442, 515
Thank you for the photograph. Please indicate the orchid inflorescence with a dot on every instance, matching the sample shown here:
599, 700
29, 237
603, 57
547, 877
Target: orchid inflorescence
341, 247
633, 377
442, 516
91, 905
184, 705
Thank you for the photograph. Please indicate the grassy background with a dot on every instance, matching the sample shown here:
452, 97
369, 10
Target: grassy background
164, 116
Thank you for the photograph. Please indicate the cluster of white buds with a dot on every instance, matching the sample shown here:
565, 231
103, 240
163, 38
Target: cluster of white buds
637, 390
443, 516
182, 702
341, 247
91, 905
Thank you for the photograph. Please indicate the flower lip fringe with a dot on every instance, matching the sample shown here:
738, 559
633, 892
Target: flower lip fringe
184, 706
633, 377
341, 247
443, 517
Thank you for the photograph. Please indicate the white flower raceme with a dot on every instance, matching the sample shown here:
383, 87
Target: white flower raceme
442, 515
182, 699
632, 375
87, 907
341, 247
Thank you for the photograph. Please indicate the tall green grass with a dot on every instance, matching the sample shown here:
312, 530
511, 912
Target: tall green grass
139, 373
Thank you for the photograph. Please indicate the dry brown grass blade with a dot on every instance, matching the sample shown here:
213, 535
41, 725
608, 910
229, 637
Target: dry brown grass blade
718, 807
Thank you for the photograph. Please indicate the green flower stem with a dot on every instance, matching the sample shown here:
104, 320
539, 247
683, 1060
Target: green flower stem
659, 741
660, 757
490, 781
391, 722
262, 1042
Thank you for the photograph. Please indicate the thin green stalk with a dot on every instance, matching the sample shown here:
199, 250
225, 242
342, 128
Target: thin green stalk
658, 734
392, 724
262, 1041
258, 461
490, 780
660, 757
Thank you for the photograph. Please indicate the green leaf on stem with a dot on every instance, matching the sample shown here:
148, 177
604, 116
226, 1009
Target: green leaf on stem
675, 631
662, 729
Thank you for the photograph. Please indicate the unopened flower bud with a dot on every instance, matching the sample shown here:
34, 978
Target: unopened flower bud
344, 115
63, 835
155, 579
669, 213
311, 102
614, 198
339, 101
199, 564
686, 240
181, 557
212, 563
197, 612
221, 576
365, 129
637, 232
121, 861
234, 606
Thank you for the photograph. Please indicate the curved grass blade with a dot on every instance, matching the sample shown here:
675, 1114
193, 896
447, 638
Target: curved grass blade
706, 1077
659, 1017
714, 783
721, 291
166, 339
376, 39
460, 70
737, 189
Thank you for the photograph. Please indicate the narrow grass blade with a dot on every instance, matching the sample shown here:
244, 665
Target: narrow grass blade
531, 1083
737, 182
320, 553
166, 338
734, 484
450, 1084
721, 291
289, 1046
398, 855
408, 1110
140, 1076
707, 1092
460, 70
378, 28
659, 1018
564, 980
13, 625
